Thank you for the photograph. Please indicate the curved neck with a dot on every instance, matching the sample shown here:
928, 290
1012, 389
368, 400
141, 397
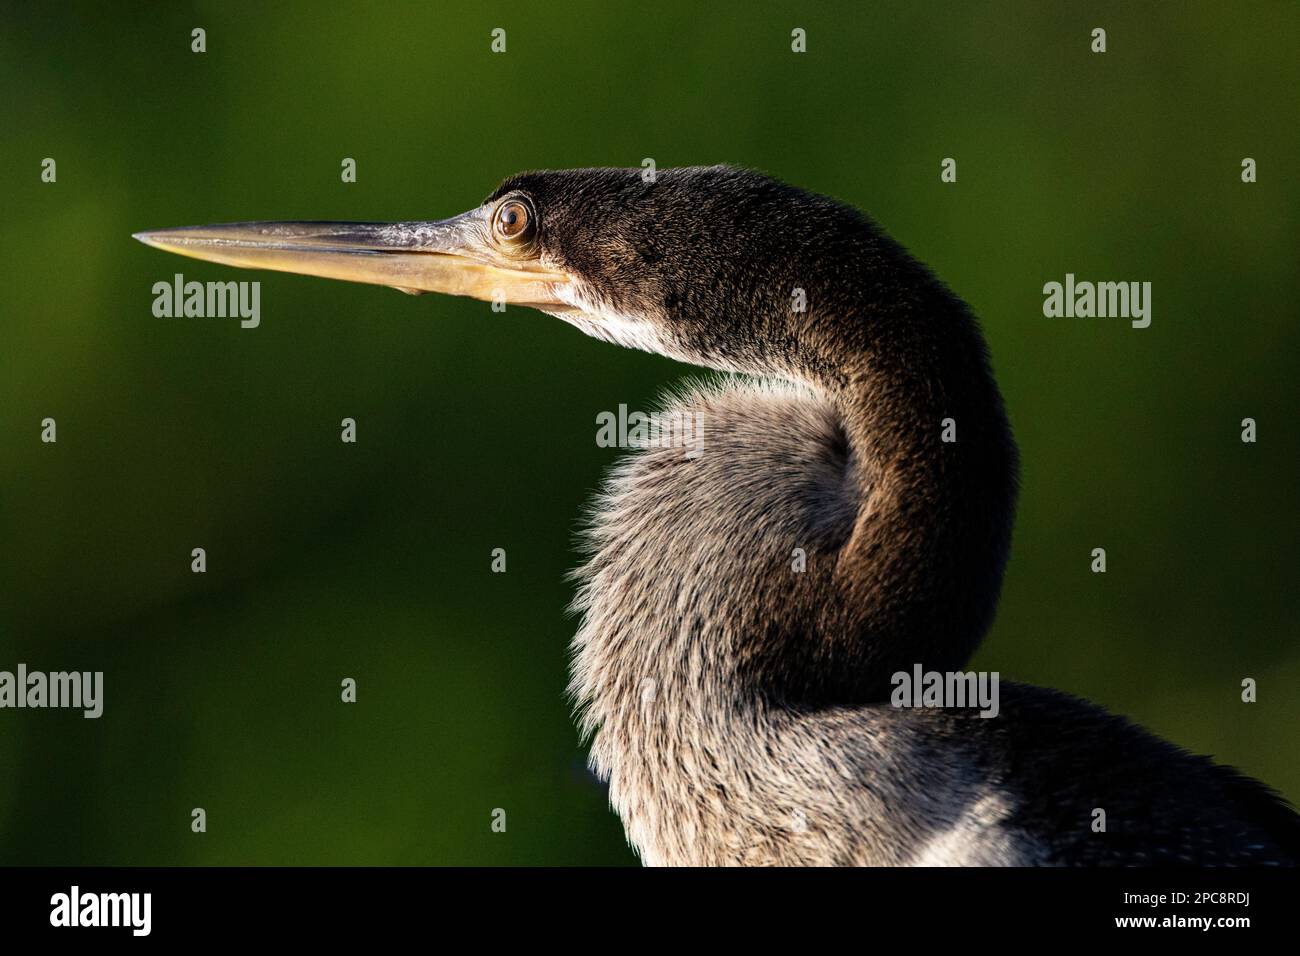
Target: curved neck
934, 464
895, 480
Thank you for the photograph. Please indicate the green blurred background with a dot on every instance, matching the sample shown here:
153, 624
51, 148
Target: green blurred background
476, 430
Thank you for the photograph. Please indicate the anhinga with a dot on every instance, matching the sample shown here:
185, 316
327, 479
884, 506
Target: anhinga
739, 707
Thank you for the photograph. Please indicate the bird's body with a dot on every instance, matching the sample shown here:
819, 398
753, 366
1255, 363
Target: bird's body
848, 517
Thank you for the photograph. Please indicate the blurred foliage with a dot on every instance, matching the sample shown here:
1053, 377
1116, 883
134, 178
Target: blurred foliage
476, 430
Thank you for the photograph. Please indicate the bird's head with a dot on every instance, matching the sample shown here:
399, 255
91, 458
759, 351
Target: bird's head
715, 266
729, 269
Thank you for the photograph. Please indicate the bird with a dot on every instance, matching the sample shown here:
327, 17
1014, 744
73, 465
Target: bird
736, 699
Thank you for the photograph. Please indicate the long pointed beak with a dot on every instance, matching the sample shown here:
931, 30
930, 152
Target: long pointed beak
448, 256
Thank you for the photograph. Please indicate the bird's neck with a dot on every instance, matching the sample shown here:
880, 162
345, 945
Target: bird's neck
827, 538
934, 465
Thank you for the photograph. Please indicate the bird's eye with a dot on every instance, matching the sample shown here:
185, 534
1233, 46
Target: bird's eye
513, 220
